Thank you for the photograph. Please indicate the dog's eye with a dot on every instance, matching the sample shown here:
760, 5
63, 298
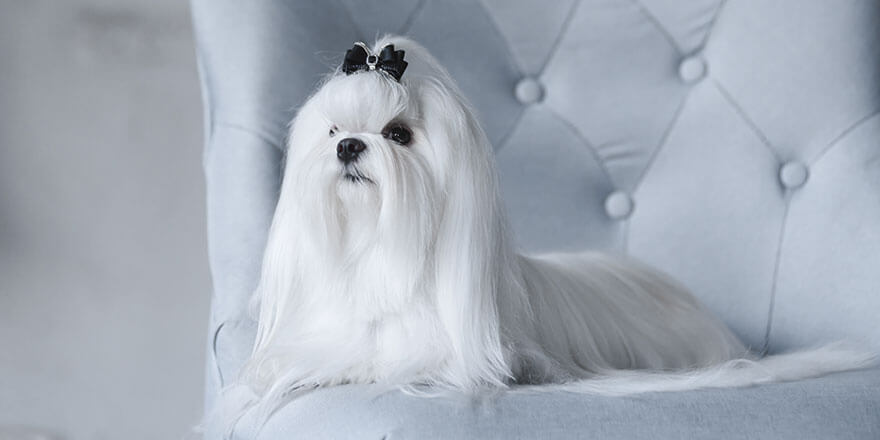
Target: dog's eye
333, 131
398, 133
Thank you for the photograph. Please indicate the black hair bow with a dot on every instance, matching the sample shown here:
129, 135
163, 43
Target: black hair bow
360, 58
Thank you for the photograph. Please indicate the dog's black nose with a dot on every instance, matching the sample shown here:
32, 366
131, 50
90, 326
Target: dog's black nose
348, 149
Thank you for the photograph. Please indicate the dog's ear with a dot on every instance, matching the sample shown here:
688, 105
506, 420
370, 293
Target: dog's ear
470, 252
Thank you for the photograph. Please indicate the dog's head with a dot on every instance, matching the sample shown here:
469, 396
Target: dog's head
375, 151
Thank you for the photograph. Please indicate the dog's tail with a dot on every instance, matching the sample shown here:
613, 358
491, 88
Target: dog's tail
784, 367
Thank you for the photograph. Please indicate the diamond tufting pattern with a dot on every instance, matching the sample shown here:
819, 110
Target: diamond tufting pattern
670, 103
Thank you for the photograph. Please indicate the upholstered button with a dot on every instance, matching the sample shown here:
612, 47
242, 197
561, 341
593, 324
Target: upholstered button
793, 174
692, 69
529, 90
618, 205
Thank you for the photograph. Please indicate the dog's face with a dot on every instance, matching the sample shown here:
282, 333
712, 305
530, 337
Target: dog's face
370, 123
372, 158
362, 138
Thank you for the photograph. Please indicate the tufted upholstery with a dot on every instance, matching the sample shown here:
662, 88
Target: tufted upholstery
734, 144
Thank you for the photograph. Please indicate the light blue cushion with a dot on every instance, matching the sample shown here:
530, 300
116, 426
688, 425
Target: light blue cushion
843, 406
732, 144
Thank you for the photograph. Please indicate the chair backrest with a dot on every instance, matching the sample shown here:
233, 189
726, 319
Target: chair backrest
735, 145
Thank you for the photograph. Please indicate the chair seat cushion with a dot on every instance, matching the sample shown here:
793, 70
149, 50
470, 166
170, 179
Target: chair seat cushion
839, 406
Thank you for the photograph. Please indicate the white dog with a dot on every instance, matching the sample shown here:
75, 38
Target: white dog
390, 261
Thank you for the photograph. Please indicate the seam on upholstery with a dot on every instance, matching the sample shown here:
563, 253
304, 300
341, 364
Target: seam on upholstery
843, 135
775, 279
407, 24
503, 37
214, 354
204, 87
586, 142
259, 134
503, 141
551, 53
663, 141
742, 114
659, 26
712, 24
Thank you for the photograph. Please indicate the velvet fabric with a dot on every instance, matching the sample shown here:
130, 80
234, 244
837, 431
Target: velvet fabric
732, 144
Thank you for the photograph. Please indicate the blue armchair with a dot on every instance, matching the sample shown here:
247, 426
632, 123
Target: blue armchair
733, 144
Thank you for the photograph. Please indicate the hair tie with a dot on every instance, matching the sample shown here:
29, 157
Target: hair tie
359, 58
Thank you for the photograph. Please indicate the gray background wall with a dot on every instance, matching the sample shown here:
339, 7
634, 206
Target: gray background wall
104, 285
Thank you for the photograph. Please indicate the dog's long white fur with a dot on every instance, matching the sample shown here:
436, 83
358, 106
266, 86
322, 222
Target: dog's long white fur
412, 278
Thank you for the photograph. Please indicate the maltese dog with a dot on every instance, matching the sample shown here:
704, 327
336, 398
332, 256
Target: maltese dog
389, 261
